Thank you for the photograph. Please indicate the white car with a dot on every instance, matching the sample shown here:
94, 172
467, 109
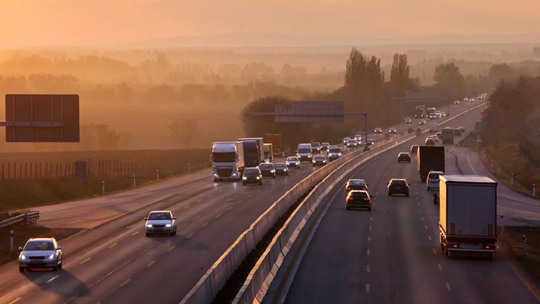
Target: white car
358, 139
352, 143
40, 253
443, 114
345, 140
293, 161
160, 222
432, 181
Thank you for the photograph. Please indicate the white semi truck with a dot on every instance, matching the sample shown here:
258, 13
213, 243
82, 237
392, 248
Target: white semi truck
227, 160
468, 215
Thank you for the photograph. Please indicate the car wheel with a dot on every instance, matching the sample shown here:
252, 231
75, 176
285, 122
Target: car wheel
298, 167
147, 234
369, 208
407, 194
60, 265
55, 268
260, 183
174, 232
21, 269
409, 162
243, 184
389, 194
274, 176
287, 174
313, 165
347, 208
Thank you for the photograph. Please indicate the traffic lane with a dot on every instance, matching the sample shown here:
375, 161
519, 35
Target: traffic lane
214, 206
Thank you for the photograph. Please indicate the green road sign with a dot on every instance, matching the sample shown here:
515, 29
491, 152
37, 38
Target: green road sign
480, 126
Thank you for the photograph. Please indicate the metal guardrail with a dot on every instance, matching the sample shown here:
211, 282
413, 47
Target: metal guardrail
24, 219
215, 278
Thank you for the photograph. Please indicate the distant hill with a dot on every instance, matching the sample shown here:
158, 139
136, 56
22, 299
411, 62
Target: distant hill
250, 40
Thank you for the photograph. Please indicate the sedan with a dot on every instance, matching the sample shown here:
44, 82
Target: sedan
334, 153
414, 149
429, 141
356, 184
422, 122
281, 168
404, 156
293, 161
268, 170
252, 175
398, 186
358, 199
40, 253
319, 160
456, 102
392, 131
408, 120
160, 222
461, 129
346, 140
352, 143
378, 131
324, 146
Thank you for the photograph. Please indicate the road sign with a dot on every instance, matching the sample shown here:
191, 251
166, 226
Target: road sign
489, 80
480, 126
42, 118
311, 111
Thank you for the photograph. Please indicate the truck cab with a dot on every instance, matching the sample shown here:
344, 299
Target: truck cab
227, 160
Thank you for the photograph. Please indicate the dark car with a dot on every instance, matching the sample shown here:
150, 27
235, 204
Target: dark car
408, 120
268, 170
462, 129
319, 160
252, 176
398, 186
334, 153
356, 184
378, 131
439, 135
404, 156
325, 145
370, 142
392, 131
315, 147
422, 122
429, 142
457, 132
358, 199
414, 149
281, 168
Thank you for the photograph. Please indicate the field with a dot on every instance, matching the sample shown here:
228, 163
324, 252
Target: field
33, 179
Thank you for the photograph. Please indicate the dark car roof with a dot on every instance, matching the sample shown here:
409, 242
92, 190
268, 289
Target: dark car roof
404, 153
356, 181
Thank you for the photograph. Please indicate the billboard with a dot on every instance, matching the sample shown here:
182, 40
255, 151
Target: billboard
42, 118
311, 111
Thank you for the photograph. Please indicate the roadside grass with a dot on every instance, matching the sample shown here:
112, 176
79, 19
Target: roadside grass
22, 233
512, 238
508, 159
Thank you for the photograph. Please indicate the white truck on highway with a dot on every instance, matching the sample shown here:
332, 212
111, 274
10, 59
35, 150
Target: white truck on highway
227, 160
468, 215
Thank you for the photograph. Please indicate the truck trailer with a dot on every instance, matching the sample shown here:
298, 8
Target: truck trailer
268, 153
448, 136
227, 160
253, 151
275, 140
468, 215
429, 158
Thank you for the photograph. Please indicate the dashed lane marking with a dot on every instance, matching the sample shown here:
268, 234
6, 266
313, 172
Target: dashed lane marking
127, 281
15, 301
137, 232
151, 263
198, 216
199, 200
367, 268
187, 237
440, 267
52, 279
239, 202
210, 195
112, 245
367, 288
85, 261
369, 239
425, 227
205, 224
230, 208
186, 207
170, 249
422, 218
368, 252
429, 237
448, 286
218, 215
434, 251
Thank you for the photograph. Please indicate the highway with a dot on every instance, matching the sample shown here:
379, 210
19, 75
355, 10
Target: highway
113, 262
392, 254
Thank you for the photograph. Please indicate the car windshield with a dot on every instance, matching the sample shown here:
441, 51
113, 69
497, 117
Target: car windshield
280, 166
335, 150
304, 150
359, 194
266, 166
352, 141
356, 183
326, 144
434, 175
292, 159
251, 172
404, 153
399, 183
219, 157
39, 245
160, 216
319, 157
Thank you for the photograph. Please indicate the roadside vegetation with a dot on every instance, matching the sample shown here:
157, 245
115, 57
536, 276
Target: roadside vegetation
512, 238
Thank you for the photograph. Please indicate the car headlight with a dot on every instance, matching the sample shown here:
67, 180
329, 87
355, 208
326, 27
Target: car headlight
258, 177
168, 225
22, 257
234, 175
51, 257
216, 175
314, 161
149, 226
323, 161
272, 171
285, 169
244, 178
339, 154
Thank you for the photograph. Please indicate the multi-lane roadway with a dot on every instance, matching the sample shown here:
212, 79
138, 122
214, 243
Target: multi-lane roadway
392, 254
113, 262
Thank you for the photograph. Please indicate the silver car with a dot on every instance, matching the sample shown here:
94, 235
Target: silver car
293, 161
160, 222
40, 253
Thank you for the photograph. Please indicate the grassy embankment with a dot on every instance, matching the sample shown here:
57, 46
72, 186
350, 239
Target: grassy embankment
25, 193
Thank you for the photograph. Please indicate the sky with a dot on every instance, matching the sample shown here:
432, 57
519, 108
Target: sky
102, 22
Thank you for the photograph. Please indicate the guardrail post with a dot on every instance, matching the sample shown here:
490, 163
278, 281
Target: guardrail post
134, 181
498, 170
534, 190
11, 241
102, 187
157, 174
492, 164
188, 167
524, 244
512, 179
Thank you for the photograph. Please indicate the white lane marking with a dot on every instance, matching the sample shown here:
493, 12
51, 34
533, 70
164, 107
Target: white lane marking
187, 237
218, 215
15, 301
368, 252
182, 226
170, 249
151, 263
205, 224
434, 251
85, 261
420, 211
135, 233
127, 281
367, 288
249, 195
199, 200
198, 216
239, 202
371, 218
369, 227
230, 208
448, 286
112, 245
369, 239
440, 267
52, 279
429, 237
422, 218
425, 227
367, 268
186, 207
210, 195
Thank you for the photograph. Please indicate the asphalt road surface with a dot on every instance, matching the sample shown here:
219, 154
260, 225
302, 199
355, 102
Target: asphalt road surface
113, 262
392, 254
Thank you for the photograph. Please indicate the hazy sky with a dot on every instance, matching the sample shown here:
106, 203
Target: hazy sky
96, 22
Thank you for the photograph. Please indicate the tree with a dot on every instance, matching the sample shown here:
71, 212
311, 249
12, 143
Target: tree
399, 75
124, 92
355, 76
184, 131
449, 81
503, 71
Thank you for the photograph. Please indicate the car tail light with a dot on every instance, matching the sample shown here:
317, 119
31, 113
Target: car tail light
454, 246
350, 198
348, 188
366, 199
